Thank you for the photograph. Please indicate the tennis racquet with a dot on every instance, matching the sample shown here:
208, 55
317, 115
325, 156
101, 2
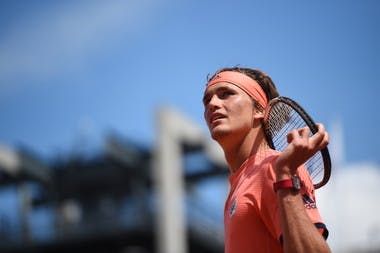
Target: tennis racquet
282, 115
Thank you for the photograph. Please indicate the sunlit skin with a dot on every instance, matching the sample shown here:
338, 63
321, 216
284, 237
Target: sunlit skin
228, 110
300, 148
232, 121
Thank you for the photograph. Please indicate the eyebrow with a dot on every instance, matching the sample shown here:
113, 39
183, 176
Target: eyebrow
219, 89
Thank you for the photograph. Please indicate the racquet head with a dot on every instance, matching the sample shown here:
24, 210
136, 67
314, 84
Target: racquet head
283, 115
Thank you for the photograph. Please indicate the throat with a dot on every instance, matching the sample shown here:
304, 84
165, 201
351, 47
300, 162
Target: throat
240, 151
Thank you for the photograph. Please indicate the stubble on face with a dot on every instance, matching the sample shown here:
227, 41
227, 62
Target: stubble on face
236, 110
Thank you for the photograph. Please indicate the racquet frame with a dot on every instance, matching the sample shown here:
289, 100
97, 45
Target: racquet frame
313, 128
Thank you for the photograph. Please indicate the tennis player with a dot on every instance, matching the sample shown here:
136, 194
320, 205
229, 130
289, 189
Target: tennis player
271, 205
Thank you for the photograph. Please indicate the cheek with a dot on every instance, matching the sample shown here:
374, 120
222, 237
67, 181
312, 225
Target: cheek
242, 107
243, 113
205, 114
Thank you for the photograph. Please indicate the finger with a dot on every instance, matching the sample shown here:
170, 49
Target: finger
292, 135
326, 138
320, 139
304, 132
320, 127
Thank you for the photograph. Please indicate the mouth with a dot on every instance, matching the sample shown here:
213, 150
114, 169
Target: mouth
215, 118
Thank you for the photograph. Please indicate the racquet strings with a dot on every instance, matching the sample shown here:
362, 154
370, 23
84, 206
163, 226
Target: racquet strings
282, 119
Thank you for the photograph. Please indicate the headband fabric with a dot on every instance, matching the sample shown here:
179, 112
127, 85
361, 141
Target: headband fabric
242, 81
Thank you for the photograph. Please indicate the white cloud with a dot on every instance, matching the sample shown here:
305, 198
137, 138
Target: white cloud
349, 204
63, 38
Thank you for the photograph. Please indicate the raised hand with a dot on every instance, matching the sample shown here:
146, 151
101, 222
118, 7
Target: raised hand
301, 147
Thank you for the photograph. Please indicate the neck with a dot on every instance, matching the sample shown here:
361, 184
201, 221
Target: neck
239, 150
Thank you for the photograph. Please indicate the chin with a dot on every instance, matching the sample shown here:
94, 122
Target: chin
218, 135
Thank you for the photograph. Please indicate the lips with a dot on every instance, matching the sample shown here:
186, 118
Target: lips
214, 117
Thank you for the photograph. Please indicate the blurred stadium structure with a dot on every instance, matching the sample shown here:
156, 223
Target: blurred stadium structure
125, 198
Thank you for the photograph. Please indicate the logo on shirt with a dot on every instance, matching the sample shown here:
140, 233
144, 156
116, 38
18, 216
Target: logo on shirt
308, 202
232, 209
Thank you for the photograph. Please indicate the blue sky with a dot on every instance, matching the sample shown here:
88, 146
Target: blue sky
71, 71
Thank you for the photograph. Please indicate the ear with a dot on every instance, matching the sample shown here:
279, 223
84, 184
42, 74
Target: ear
258, 114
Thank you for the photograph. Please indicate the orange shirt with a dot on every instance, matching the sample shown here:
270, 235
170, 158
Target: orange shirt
251, 213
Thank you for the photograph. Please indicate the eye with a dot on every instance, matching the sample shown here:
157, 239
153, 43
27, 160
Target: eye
206, 100
225, 94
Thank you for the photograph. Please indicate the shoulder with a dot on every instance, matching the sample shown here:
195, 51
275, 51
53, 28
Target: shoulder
262, 161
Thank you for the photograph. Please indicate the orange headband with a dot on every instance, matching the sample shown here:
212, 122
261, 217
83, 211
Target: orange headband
244, 82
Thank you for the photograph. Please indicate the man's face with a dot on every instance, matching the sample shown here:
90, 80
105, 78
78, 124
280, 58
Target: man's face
227, 110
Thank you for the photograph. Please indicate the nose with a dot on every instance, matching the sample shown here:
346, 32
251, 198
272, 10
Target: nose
214, 102
212, 105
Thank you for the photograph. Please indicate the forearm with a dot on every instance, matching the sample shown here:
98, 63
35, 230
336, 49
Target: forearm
299, 233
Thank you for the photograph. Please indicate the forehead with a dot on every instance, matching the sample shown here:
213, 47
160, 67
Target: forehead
221, 86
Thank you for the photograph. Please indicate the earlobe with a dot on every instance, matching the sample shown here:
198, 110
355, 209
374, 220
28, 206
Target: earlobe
258, 114
257, 118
